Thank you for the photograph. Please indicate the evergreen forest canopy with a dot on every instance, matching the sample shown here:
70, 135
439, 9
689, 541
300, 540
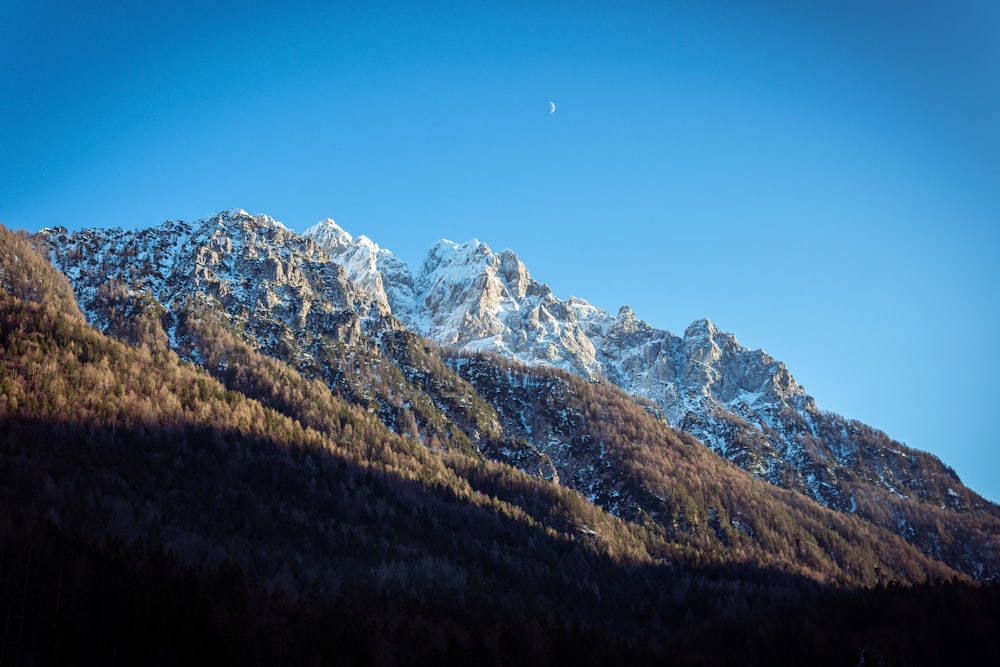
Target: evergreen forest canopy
242, 510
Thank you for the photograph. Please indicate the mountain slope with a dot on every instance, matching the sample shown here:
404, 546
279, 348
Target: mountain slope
742, 403
145, 441
688, 506
155, 514
234, 285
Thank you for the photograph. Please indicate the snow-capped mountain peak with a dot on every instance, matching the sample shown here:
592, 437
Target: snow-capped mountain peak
385, 277
329, 235
234, 213
471, 297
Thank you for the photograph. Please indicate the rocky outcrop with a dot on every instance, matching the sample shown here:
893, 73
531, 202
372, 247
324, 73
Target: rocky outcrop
264, 280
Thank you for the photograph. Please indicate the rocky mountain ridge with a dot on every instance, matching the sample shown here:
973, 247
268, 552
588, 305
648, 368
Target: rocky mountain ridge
258, 274
310, 298
743, 403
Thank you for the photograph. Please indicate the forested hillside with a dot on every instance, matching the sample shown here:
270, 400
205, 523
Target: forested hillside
27, 275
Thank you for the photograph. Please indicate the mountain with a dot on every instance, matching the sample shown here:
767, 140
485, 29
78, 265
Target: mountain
345, 312
246, 508
742, 403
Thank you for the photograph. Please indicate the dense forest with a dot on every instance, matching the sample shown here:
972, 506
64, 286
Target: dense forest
157, 511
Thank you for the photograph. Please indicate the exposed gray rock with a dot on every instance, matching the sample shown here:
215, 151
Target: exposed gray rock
268, 282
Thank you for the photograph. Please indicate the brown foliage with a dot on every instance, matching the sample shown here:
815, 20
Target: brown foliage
26, 274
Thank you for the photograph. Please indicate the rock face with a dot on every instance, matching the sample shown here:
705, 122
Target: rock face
469, 297
258, 276
381, 275
325, 301
742, 403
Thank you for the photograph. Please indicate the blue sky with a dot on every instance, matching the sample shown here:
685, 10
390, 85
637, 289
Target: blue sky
821, 179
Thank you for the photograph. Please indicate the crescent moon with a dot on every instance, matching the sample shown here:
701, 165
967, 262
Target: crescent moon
553, 109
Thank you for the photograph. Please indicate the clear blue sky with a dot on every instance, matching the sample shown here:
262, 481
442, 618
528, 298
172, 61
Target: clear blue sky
820, 178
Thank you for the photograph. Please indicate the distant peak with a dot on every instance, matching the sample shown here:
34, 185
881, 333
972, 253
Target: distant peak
438, 254
627, 322
701, 327
328, 233
510, 262
475, 246
449, 249
228, 217
442, 248
328, 224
